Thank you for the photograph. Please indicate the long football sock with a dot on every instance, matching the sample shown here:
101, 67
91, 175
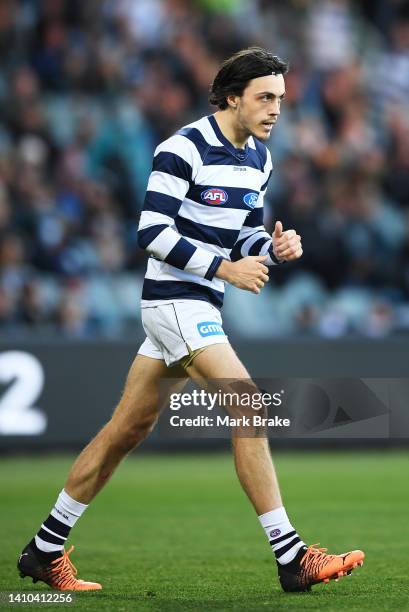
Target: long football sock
283, 538
50, 538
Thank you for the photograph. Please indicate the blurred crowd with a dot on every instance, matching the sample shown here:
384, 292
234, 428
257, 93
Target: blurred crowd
88, 89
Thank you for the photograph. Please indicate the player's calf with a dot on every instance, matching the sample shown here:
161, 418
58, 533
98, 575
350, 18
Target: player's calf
126, 436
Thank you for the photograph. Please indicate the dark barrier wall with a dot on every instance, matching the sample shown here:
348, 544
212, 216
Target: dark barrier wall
59, 394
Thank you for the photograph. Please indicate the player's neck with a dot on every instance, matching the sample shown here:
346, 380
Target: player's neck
230, 130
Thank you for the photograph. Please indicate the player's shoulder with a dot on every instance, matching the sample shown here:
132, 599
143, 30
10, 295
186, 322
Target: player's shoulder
193, 139
191, 143
201, 135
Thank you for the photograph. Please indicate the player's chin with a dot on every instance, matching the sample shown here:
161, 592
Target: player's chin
262, 132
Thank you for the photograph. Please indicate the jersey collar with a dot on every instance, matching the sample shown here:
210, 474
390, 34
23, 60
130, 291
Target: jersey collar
240, 154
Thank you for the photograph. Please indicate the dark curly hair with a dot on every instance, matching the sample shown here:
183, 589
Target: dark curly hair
235, 73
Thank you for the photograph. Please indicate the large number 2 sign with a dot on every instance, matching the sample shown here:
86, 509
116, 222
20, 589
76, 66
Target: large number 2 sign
24, 376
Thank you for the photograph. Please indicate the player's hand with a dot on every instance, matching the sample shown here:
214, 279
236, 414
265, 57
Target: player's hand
286, 245
248, 273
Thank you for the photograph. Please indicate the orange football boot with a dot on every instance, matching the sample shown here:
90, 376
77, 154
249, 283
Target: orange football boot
58, 574
314, 565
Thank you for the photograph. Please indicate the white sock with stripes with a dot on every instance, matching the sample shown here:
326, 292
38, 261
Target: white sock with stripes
283, 538
56, 528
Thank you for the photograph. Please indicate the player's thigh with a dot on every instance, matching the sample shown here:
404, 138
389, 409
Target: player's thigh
217, 361
148, 384
218, 369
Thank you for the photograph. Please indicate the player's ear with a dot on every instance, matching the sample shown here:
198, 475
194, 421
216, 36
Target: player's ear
232, 101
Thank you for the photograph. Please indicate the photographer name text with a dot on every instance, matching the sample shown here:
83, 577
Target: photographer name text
255, 420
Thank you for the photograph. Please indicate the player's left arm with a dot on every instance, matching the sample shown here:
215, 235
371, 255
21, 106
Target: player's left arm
255, 240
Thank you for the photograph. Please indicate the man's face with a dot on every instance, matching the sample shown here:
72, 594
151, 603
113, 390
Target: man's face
259, 106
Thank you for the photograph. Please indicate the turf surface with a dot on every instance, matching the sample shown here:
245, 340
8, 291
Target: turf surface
175, 532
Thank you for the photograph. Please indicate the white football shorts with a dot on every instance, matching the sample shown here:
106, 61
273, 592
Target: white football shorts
177, 329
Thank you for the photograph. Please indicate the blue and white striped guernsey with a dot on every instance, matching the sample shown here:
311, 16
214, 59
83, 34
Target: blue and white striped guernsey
204, 203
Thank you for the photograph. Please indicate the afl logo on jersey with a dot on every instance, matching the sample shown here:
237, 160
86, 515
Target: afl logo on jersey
214, 196
250, 199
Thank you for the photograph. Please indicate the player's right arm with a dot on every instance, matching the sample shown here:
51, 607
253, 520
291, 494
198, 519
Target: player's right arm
175, 164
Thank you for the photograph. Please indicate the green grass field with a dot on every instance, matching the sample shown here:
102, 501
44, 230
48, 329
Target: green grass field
175, 532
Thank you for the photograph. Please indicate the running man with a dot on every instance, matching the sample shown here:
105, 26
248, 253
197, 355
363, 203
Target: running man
202, 224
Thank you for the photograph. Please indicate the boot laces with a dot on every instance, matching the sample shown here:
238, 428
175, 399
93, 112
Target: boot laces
64, 571
315, 559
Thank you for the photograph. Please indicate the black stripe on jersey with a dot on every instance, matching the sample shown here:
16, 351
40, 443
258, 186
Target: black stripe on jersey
219, 236
161, 203
255, 218
195, 136
172, 164
180, 254
235, 196
264, 187
261, 150
272, 255
146, 236
256, 247
165, 290
213, 267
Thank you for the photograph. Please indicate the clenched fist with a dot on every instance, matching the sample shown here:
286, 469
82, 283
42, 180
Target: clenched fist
248, 273
286, 245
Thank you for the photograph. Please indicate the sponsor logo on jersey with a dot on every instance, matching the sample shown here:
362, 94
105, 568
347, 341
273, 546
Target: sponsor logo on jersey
250, 199
214, 196
275, 533
210, 328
